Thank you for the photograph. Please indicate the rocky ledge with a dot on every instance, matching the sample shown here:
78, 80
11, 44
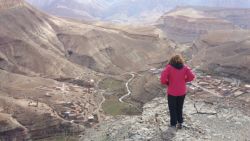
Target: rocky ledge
206, 118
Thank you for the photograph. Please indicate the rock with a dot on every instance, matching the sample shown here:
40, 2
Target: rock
247, 86
238, 93
203, 83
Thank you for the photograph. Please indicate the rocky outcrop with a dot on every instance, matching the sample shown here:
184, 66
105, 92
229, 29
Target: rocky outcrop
204, 120
145, 88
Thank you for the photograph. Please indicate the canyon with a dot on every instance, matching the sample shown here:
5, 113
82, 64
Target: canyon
47, 63
87, 77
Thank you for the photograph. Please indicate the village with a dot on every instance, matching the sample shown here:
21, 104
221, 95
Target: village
219, 86
215, 85
76, 110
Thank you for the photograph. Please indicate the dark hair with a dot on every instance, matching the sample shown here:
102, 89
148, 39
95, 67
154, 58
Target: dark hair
176, 59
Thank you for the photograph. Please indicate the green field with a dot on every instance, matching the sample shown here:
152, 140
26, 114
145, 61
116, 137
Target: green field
111, 84
112, 106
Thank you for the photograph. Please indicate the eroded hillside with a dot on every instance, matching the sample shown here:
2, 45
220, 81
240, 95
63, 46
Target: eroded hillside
185, 24
224, 52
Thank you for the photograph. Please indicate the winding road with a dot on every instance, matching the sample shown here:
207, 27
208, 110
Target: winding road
121, 98
127, 87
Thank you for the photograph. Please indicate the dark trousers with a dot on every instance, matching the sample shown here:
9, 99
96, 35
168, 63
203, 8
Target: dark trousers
175, 105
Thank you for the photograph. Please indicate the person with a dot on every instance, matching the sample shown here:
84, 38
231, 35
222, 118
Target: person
175, 76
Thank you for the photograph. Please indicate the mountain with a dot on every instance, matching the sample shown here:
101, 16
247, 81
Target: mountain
237, 16
30, 45
46, 64
114, 50
125, 10
50, 69
185, 24
47, 38
224, 53
99, 9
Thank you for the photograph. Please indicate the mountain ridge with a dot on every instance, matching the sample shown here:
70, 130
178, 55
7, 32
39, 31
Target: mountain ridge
126, 11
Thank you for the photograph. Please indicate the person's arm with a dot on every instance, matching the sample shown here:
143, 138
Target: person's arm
165, 76
189, 75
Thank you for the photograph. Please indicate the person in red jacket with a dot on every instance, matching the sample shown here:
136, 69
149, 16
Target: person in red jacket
175, 76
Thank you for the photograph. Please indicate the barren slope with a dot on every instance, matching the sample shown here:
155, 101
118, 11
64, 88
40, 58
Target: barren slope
99, 46
184, 24
237, 16
29, 45
224, 52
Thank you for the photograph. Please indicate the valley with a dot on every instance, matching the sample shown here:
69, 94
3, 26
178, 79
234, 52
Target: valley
215, 108
50, 68
80, 78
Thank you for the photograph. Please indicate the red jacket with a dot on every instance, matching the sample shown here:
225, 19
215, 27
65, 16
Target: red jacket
176, 79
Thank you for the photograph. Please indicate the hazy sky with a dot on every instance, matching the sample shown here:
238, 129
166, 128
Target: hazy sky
146, 3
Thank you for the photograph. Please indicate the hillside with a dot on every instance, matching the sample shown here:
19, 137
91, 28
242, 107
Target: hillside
116, 49
185, 24
224, 52
30, 45
237, 16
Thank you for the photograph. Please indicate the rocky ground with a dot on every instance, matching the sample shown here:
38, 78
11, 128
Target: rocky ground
207, 117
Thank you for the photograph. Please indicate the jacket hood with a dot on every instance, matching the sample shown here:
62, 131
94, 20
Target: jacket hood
177, 66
